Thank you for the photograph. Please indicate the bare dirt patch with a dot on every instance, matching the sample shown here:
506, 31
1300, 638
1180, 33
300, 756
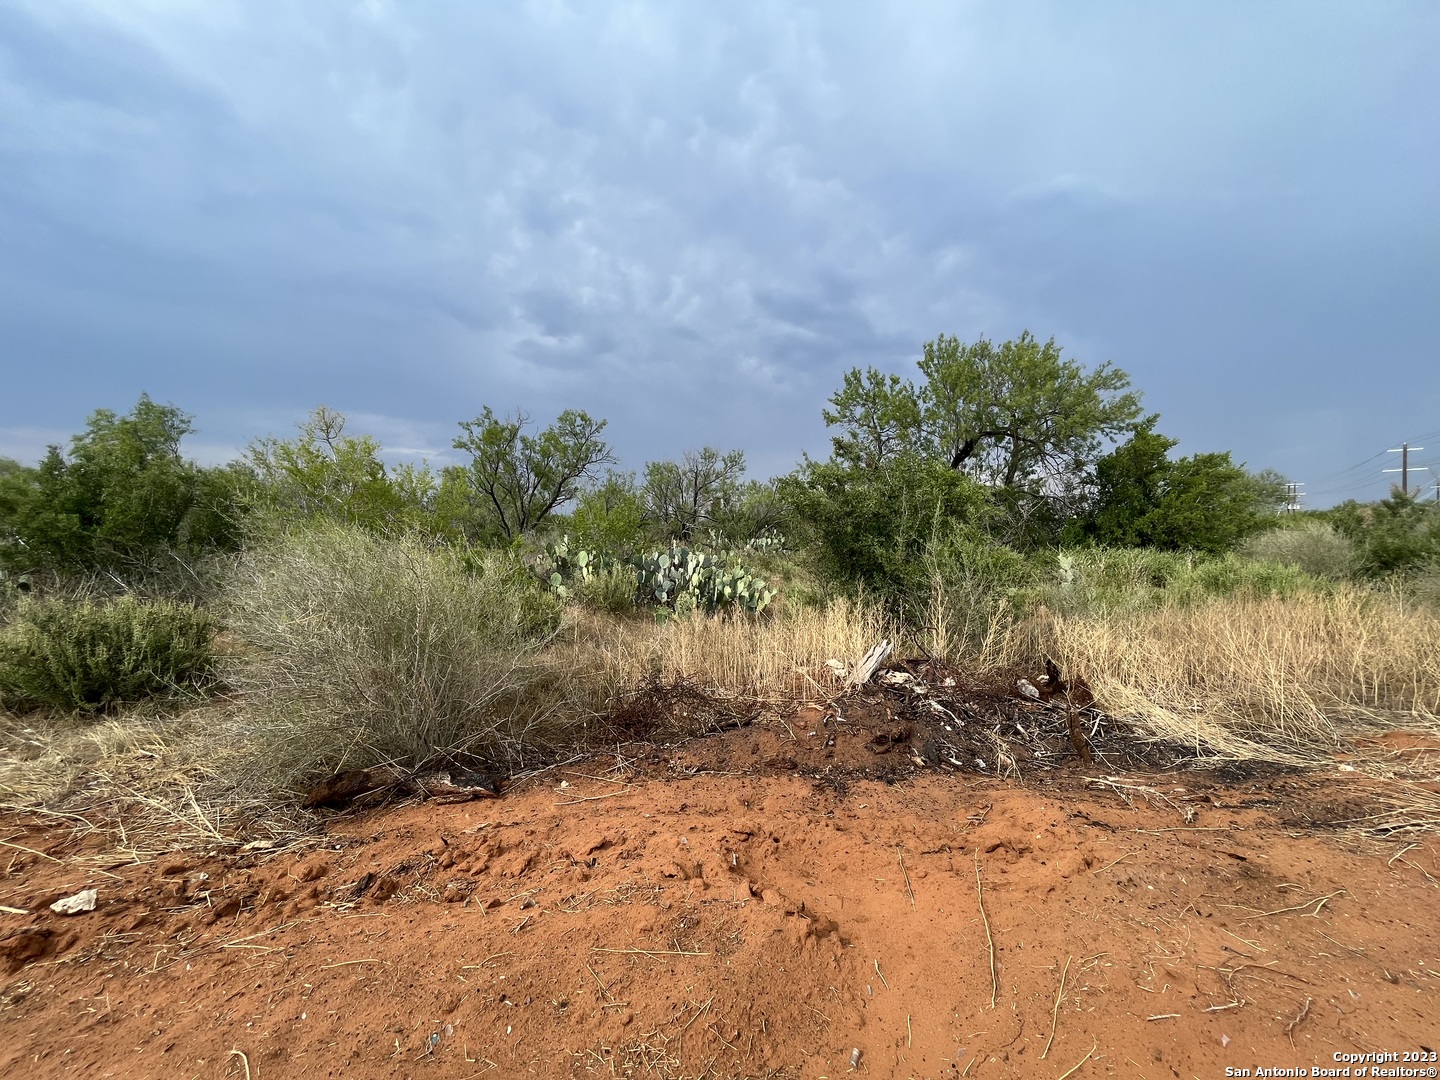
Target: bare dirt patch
762, 902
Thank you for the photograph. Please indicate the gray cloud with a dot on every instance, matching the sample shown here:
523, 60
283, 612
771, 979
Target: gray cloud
692, 219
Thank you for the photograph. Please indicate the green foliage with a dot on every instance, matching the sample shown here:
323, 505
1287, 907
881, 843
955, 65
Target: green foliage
683, 497
868, 529
87, 656
1397, 535
1141, 498
1100, 581
517, 480
326, 475
368, 650
565, 568
879, 416
972, 583
1317, 548
610, 589
610, 516
1017, 412
121, 499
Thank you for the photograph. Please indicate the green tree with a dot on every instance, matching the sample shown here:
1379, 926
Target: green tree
879, 417
1129, 483
610, 516
517, 479
1210, 504
1397, 534
119, 499
1204, 502
1017, 414
324, 474
681, 497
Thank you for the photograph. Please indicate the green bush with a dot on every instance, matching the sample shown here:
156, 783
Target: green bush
368, 651
1315, 547
88, 655
610, 589
867, 529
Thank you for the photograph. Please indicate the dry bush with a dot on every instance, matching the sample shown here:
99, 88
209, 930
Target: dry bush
363, 650
1250, 676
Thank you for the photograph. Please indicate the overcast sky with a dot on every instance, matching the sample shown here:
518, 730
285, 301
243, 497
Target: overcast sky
691, 219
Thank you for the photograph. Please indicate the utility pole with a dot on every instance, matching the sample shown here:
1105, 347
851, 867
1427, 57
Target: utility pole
1293, 495
1404, 451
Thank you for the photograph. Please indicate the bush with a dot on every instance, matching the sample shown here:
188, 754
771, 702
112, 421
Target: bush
373, 651
88, 656
972, 584
610, 589
867, 530
1316, 548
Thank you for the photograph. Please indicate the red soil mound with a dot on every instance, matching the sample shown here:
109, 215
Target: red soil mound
752, 920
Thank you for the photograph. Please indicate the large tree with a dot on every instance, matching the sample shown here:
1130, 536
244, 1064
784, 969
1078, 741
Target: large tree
1016, 415
1140, 497
521, 479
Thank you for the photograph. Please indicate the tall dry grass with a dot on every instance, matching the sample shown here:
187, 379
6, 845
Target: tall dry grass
779, 658
1241, 676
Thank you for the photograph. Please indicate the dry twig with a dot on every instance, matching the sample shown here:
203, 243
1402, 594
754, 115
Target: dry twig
1055, 1016
989, 940
1076, 1067
245, 1061
1300, 1016
908, 887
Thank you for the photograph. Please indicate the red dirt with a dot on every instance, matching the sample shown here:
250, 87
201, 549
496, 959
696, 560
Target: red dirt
752, 920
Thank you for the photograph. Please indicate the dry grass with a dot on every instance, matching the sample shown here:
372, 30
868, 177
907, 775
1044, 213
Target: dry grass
1251, 677
166, 775
147, 779
779, 658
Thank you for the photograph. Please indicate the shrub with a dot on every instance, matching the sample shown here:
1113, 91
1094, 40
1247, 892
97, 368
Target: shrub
87, 655
373, 651
867, 530
1316, 548
610, 589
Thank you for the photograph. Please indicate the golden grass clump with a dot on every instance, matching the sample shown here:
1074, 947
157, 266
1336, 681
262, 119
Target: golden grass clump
1252, 676
779, 658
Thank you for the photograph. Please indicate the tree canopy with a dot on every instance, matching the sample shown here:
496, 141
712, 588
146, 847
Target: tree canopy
326, 474
1140, 497
520, 478
682, 496
121, 495
1015, 415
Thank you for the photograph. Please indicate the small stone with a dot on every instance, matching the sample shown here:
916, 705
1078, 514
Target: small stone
74, 905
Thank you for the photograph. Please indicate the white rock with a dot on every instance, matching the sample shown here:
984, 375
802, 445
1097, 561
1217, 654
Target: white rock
74, 905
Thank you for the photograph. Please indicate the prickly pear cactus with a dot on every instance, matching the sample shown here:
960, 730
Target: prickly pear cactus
685, 580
